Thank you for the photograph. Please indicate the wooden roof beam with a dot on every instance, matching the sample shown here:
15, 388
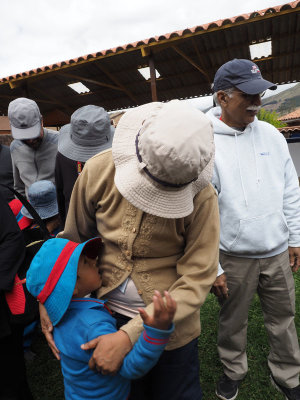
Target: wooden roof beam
117, 82
93, 81
152, 78
54, 100
200, 60
76, 95
192, 62
5, 96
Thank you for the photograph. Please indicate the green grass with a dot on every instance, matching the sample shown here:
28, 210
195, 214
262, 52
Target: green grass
44, 375
46, 382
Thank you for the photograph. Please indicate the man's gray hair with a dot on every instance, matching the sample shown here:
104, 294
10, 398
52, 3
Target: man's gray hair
227, 91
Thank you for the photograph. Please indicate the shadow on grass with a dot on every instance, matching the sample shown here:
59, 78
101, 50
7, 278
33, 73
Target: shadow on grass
44, 374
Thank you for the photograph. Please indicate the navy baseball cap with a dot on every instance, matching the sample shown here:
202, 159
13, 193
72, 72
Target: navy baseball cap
242, 74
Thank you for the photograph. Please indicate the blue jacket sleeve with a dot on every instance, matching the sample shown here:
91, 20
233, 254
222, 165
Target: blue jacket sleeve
145, 352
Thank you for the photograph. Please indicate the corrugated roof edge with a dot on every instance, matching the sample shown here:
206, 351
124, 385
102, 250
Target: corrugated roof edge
130, 46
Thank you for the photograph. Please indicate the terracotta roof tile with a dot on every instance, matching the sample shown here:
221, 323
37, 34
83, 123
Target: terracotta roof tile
293, 115
290, 129
181, 33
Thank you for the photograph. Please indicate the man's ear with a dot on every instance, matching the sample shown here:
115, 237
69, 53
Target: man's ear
42, 128
222, 98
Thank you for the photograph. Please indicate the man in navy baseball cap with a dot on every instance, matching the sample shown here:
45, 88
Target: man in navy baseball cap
242, 74
238, 88
259, 206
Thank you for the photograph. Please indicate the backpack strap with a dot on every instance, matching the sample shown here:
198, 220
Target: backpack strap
31, 210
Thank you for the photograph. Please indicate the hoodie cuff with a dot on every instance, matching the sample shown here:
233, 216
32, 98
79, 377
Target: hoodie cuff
220, 270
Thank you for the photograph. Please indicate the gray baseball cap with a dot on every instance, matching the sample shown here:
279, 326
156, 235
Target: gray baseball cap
25, 119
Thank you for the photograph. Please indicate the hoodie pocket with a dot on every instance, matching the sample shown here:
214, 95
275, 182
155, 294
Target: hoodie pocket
260, 234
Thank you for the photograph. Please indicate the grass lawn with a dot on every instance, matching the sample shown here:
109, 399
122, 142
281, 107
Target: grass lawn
46, 382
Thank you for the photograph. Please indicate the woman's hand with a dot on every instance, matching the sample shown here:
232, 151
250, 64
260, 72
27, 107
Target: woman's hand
109, 352
47, 329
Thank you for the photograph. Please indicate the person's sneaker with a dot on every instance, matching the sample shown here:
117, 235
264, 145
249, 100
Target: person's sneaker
290, 394
227, 389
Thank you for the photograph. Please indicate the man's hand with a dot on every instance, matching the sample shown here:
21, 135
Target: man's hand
163, 312
219, 287
109, 353
294, 253
47, 329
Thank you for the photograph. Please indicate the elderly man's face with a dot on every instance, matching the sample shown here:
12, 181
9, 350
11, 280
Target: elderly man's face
239, 109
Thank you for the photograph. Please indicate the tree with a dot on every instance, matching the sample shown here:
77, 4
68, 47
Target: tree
271, 117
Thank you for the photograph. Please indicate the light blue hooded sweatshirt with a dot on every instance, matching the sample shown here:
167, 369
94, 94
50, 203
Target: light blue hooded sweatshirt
258, 189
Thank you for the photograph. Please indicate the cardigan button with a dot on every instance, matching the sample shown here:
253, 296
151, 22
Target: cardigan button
140, 292
134, 230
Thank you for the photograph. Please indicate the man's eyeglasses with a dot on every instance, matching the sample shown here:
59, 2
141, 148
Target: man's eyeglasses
250, 96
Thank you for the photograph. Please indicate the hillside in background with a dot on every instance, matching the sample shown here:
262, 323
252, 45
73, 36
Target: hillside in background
283, 102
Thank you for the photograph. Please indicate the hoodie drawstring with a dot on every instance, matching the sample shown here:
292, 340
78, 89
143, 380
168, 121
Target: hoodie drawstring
240, 172
255, 157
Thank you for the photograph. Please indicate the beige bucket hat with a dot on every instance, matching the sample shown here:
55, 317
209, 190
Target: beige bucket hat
164, 155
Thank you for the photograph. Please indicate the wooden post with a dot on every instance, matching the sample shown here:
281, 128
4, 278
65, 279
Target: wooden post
152, 77
25, 91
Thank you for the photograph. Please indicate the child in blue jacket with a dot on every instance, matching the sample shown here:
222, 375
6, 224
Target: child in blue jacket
61, 274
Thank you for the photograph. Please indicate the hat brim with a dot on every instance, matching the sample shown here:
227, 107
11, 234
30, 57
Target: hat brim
75, 152
44, 212
135, 185
59, 299
28, 133
58, 302
91, 247
256, 86
24, 223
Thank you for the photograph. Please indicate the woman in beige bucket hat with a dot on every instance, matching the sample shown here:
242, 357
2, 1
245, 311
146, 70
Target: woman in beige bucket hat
150, 200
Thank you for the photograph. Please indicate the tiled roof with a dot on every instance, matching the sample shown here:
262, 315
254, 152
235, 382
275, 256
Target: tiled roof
157, 39
293, 115
290, 129
187, 61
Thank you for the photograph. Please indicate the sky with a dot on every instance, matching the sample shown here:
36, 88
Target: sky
35, 33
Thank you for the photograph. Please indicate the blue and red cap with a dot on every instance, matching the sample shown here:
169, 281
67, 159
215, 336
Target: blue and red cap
242, 74
52, 274
16, 207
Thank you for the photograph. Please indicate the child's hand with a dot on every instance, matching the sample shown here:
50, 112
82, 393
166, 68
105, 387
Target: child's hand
163, 313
